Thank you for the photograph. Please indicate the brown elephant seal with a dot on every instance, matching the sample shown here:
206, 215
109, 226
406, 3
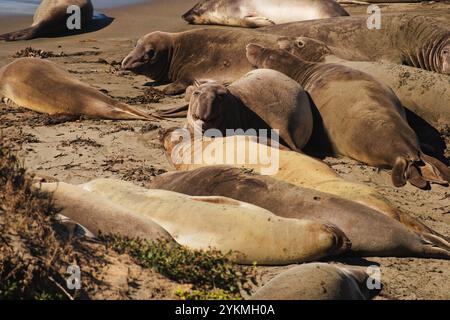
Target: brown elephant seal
431, 90
317, 281
42, 86
172, 57
202, 223
261, 99
260, 13
370, 232
100, 216
362, 117
414, 40
50, 19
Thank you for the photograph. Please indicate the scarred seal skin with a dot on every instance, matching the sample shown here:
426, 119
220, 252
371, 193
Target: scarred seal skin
50, 19
260, 13
409, 39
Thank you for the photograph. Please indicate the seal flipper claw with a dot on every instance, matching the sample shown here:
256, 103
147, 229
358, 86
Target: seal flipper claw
253, 21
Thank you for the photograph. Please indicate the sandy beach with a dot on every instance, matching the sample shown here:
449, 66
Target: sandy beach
78, 151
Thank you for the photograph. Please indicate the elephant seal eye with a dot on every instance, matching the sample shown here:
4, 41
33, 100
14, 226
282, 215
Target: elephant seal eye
151, 54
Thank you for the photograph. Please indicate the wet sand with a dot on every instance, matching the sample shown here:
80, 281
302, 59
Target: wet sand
79, 151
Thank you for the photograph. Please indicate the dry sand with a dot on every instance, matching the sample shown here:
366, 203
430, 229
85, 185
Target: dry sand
78, 151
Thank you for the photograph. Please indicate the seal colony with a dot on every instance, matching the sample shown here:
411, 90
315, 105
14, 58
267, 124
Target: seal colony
260, 13
328, 80
50, 19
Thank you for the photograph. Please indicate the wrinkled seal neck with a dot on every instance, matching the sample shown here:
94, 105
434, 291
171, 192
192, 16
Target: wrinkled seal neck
424, 40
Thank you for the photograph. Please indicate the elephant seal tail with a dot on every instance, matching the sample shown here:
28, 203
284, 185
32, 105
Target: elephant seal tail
24, 34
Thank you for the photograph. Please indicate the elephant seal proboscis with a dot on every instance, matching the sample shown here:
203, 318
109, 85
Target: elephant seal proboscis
101, 216
370, 232
410, 39
50, 18
171, 57
362, 117
43, 86
253, 234
317, 281
423, 92
262, 99
260, 13
293, 168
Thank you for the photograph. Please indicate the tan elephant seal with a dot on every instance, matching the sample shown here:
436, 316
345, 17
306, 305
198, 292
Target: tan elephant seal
101, 216
253, 233
370, 232
260, 13
261, 99
317, 281
171, 58
431, 90
42, 86
50, 19
362, 118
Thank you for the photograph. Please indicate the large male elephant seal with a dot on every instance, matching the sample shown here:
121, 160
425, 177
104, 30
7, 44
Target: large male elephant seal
317, 281
172, 57
50, 19
370, 232
292, 167
42, 86
253, 233
260, 13
362, 117
101, 216
423, 92
413, 40
262, 99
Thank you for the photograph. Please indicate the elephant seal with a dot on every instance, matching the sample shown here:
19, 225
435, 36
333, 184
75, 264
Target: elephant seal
317, 281
50, 19
42, 86
227, 225
261, 99
260, 13
370, 232
171, 57
431, 90
362, 117
101, 216
408, 39
293, 168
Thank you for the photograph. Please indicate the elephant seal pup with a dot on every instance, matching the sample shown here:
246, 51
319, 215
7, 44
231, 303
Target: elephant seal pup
171, 57
370, 232
262, 99
260, 13
50, 19
100, 215
317, 281
255, 234
362, 118
414, 40
42, 86
431, 90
